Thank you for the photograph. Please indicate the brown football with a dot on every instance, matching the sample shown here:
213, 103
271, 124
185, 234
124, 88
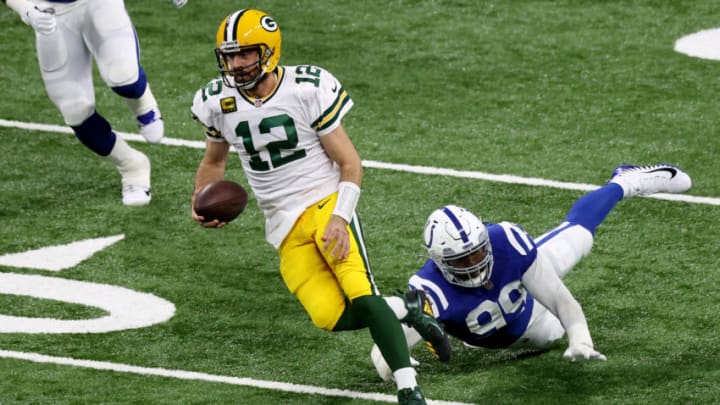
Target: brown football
223, 200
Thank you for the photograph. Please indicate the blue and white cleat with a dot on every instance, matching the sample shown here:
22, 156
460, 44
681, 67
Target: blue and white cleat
645, 180
151, 125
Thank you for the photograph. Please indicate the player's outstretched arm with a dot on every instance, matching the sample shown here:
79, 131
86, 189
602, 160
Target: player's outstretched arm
544, 284
581, 352
41, 21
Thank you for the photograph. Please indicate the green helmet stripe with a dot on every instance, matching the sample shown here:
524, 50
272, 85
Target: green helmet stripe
232, 26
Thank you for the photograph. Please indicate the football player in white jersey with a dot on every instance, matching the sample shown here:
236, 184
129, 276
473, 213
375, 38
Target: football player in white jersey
68, 35
285, 124
494, 286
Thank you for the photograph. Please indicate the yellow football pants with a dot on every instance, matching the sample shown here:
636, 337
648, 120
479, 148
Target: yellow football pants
320, 282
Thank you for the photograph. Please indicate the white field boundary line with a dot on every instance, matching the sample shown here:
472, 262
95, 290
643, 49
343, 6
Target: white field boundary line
188, 375
196, 376
180, 374
428, 170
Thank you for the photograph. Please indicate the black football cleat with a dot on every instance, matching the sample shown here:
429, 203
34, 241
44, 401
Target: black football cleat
411, 396
420, 318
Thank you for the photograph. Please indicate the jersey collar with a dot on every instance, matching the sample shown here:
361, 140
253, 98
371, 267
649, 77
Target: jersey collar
259, 102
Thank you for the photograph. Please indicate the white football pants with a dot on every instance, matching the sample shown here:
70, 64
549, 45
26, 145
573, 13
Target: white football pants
99, 29
561, 248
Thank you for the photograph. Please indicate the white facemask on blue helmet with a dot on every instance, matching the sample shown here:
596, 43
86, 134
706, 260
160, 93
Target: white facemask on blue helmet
457, 241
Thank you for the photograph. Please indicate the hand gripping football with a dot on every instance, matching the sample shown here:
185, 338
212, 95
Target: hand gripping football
223, 200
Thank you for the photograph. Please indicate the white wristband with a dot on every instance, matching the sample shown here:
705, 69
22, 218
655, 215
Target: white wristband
348, 196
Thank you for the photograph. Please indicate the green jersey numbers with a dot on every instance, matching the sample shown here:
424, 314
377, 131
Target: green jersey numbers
211, 89
307, 73
274, 148
278, 141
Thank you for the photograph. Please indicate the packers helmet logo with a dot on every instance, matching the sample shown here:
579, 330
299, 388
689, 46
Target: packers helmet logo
228, 105
268, 23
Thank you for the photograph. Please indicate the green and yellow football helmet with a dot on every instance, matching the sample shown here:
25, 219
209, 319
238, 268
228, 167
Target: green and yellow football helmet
248, 29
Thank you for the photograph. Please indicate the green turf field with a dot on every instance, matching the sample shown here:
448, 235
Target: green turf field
554, 90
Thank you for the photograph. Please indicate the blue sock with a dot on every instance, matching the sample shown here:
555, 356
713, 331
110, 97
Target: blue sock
95, 133
134, 90
592, 208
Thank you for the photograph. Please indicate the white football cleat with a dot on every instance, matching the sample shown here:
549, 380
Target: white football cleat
151, 125
134, 168
644, 180
134, 195
136, 180
381, 365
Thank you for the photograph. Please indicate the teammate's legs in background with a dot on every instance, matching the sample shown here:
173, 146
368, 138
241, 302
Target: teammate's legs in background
66, 68
112, 40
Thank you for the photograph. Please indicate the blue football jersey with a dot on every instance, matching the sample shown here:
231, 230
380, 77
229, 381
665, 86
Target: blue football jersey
496, 314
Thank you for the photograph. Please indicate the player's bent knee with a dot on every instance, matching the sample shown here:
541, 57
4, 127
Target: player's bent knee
135, 89
76, 111
122, 74
324, 322
567, 248
582, 239
324, 316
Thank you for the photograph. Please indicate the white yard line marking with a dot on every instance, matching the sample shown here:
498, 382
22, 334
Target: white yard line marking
126, 308
192, 375
529, 181
435, 171
59, 257
701, 44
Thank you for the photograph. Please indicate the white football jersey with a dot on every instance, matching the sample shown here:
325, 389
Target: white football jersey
277, 139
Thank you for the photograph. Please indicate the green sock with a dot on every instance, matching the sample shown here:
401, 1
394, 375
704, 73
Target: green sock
385, 329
